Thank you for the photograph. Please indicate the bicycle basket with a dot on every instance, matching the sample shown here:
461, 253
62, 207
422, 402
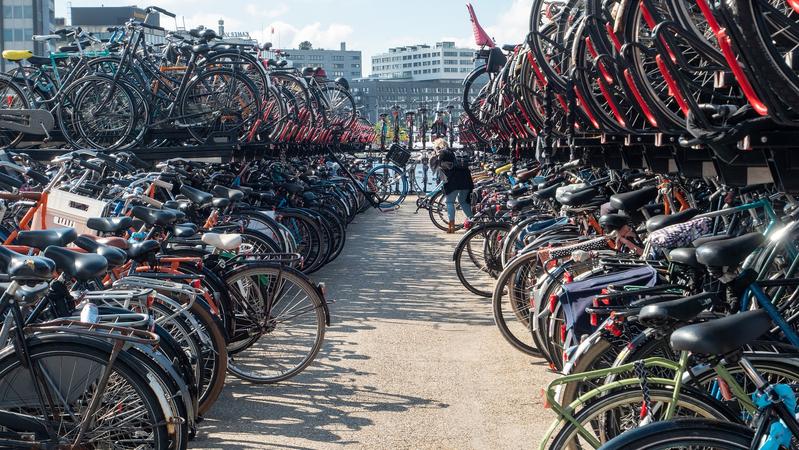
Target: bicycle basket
398, 155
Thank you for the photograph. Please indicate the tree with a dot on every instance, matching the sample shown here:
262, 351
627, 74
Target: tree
305, 45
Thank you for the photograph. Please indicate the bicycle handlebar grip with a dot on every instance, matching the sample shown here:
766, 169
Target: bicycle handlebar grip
87, 165
162, 11
37, 176
137, 161
111, 162
152, 27
11, 181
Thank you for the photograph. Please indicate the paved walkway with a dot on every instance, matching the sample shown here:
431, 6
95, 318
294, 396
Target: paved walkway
412, 360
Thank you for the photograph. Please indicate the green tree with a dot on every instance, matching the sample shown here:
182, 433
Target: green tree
305, 45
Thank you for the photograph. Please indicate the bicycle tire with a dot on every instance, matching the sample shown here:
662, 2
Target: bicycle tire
270, 270
491, 234
91, 351
684, 433
592, 414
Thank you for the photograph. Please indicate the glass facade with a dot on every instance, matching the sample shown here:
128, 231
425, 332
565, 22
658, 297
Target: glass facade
21, 20
394, 64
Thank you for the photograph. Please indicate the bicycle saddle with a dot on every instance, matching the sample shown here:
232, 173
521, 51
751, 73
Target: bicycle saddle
663, 221
635, 200
196, 196
234, 195
178, 205
521, 203
222, 241
117, 242
185, 230
548, 193
24, 267
115, 256
109, 224
152, 216
292, 188
526, 175
141, 251
728, 252
614, 221
519, 190
674, 311
577, 198
685, 256
41, 239
220, 203
721, 336
80, 266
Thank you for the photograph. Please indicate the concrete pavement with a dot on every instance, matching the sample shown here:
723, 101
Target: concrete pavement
411, 360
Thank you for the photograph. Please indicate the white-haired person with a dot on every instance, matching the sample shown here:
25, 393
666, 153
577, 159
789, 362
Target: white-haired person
457, 177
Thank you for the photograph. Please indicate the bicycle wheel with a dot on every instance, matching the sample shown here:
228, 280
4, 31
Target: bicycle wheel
474, 86
282, 339
763, 25
439, 215
512, 297
208, 341
104, 112
685, 433
621, 411
339, 106
477, 258
219, 102
385, 181
12, 98
306, 233
128, 414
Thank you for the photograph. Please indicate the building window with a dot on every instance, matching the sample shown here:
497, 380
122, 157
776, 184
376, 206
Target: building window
356, 66
451, 62
8, 12
465, 62
358, 58
8, 35
450, 53
27, 12
466, 54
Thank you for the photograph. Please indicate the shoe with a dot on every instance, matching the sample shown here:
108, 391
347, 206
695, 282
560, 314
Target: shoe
451, 229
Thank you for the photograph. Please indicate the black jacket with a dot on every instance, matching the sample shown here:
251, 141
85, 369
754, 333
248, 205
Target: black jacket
457, 178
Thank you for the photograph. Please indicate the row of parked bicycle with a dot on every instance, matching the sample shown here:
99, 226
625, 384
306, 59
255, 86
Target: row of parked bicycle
647, 73
668, 304
666, 299
196, 88
132, 290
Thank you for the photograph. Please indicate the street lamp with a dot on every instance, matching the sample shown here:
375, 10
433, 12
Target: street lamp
451, 130
423, 126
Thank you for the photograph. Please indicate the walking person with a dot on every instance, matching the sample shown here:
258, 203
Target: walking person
457, 177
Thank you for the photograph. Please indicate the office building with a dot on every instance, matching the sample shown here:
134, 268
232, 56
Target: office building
374, 96
21, 20
337, 63
442, 61
97, 20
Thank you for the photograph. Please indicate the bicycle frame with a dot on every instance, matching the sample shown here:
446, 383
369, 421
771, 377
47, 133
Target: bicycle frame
680, 368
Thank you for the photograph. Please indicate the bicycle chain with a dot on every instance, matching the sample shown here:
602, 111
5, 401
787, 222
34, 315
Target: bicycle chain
640, 372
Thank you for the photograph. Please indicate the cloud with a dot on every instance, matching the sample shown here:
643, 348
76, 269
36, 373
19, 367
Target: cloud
512, 25
289, 36
255, 11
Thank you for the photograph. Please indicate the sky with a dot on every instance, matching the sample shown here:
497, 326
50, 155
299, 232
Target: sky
367, 25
